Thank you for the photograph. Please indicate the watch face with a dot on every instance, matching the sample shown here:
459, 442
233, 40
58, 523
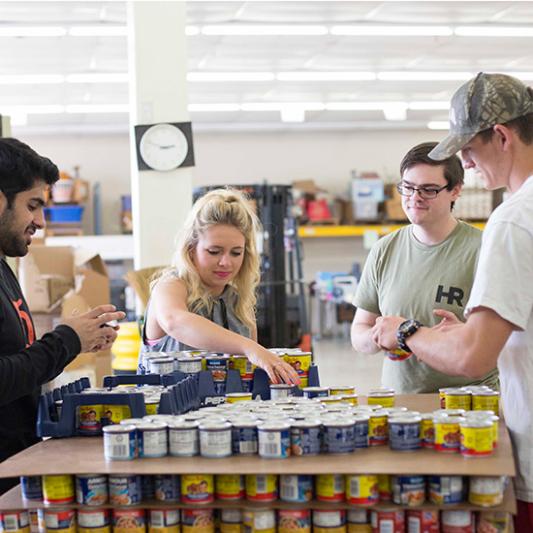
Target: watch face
163, 147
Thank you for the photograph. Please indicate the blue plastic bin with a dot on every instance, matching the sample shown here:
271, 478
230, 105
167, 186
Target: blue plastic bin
64, 213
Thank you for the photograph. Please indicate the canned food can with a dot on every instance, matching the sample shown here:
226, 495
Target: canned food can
378, 428
357, 516
458, 399
301, 362
244, 437
197, 521
339, 435
305, 437
457, 522
404, 433
93, 521
330, 487
152, 439
383, 397
422, 521
161, 365
384, 488
167, 487
494, 521
247, 385
352, 399
341, 390
296, 488
151, 405
261, 487
279, 391
442, 396
231, 521
147, 488
63, 520
120, 442
197, 488
361, 427
486, 401
125, 489
387, 520
486, 491
229, 487
183, 438
427, 431
447, 433
58, 489
234, 397
163, 520
32, 488
218, 366
256, 521
315, 392
329, 521
89, 419
274, 439
91, 489
477, 437
443, 490
294, 521
243, 365
15, 521
408, 490
362, 489
129, 521
189, 365
215, 439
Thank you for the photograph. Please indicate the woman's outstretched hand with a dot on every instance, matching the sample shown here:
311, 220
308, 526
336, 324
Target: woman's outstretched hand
278, 370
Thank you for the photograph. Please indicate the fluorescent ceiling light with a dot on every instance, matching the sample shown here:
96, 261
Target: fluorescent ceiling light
423, 76
292, 114
32, 31
18, 119
429, 105
494, 31
98, 77
230, 76
192, 30
32, 109
97, 108
395, 111
390, 30
24, 79
213, 107
360, 106
278, 106
98, 30
438, 125
263, 29
325, 76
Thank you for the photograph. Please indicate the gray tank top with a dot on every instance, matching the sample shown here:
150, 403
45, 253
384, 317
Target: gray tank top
222, 313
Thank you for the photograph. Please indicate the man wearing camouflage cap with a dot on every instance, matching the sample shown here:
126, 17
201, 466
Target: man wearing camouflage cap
491, 123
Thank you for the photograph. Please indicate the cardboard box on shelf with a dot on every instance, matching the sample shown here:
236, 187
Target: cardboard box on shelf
139, 281
393, 205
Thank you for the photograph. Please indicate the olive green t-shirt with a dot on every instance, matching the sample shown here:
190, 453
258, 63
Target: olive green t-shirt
404, 277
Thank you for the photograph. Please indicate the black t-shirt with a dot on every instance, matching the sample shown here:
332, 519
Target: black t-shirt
25, 364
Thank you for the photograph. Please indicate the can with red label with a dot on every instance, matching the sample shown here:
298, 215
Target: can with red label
427, 431
229, 487
129, 521
198, 520
60, 520
15, 522
329, 521
422, 521
294, 521
457, 522
261, 487
93, 521
197, 488
388, 520
384, 488
330, 487
58, 489
362, 489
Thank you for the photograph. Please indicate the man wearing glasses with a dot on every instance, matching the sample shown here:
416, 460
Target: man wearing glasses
425, 266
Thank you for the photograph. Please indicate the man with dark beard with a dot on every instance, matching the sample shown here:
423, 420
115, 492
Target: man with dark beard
27, 363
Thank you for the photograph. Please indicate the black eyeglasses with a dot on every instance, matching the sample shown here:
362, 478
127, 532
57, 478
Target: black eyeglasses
427, 193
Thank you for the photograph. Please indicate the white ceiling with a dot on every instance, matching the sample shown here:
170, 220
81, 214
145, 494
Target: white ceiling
274, 55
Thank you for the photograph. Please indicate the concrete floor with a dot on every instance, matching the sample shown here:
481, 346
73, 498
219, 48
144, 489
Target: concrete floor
339, 364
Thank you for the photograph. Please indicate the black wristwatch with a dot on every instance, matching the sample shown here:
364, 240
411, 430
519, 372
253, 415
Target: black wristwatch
405, 330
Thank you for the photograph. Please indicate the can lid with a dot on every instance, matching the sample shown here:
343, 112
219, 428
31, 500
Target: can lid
214, 425
475, 423
183, 424
404, 418
458, 392
315, 389
161, 360
133, 421
309, 423
151, 426
486, 393
271, 425
117, 428
335, 422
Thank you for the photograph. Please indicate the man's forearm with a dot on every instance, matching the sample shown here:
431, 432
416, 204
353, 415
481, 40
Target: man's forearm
361, 335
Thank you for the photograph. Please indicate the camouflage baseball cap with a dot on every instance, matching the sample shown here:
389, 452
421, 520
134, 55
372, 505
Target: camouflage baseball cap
482, 102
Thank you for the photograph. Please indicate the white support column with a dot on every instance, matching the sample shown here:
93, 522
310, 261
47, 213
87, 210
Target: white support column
158, 93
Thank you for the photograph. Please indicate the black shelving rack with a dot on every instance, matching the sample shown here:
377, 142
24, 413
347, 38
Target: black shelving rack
281, 310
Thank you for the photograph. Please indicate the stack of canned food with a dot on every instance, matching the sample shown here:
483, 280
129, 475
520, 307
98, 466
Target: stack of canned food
192, 362
319, 422
354, 489
385, 520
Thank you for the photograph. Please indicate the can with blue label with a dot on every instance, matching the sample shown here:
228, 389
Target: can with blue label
339, 435
361, 431
32, 488
125, 489
274, 440
306, 437
147, 488
120, 442
152, 439
404, 433
91, 489
296, 488
409, 491
315, 392
167, 487
244, 439
446, 489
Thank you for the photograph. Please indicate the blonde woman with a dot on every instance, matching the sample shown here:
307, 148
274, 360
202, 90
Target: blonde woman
206, 300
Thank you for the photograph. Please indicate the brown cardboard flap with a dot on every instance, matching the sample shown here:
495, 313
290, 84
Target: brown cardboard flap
140, 281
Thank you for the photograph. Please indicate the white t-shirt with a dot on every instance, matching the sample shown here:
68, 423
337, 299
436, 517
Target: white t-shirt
504, 283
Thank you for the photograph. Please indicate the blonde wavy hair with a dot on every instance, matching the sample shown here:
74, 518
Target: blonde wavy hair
220, 206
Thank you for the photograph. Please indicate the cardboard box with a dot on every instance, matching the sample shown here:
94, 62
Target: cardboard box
393, 205
139, 281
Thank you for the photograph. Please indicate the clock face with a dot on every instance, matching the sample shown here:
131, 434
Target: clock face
163, 147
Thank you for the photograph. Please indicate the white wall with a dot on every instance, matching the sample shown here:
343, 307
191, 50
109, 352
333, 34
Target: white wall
225, 158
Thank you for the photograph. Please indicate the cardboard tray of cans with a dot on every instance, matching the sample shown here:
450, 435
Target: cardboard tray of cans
85, 456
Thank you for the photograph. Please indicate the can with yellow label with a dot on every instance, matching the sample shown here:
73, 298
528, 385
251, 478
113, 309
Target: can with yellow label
330, 487
378, 428
229, 487
362, 489
477, 437
197, 488
58, 489
486, 401
447, 433
458, 399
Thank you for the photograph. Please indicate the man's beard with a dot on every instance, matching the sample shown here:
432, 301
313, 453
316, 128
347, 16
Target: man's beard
11, 243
